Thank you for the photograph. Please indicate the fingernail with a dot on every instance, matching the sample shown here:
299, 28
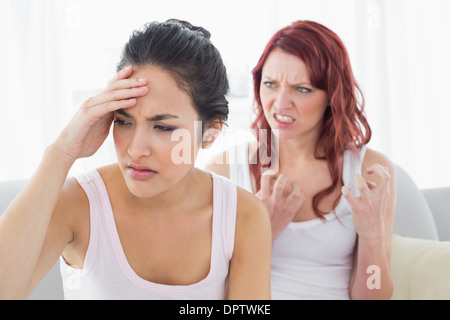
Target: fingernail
296, 188
345, 190
141, 80
268, 172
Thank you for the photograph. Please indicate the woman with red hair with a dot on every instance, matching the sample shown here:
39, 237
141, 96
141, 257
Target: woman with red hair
331, 199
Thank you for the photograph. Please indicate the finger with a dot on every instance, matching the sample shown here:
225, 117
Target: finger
381, 172
266, 185
295, 199
371, 184
118, 95
279, 186
384, 179
125, 84
351, 199
362, 186
110, 107
122, 74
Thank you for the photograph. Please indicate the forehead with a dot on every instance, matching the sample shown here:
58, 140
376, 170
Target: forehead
280, 64
164, 95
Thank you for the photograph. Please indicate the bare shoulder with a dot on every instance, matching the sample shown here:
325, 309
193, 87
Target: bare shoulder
219, 165
72, 197
373, 158
249, 276
252, 216
73, 205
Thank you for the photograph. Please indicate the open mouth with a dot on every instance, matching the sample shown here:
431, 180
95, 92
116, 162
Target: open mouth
284, 119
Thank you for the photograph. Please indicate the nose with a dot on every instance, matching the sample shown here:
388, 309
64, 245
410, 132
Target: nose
140, 145
283, 100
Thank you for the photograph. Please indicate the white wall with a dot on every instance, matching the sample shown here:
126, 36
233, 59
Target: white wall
56, 53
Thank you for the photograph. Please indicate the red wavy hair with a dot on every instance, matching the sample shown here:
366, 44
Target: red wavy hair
344, 125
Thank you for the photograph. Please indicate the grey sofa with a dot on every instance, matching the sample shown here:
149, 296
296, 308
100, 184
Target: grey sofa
422, 220
423, 214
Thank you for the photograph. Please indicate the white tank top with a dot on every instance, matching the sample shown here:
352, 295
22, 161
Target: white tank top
312, 259
107, 275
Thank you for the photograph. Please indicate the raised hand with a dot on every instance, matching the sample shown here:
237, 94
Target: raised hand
369, 209
282, 201
90, 126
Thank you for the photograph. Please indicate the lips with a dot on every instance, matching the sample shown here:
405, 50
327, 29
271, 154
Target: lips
139, 172
283, 120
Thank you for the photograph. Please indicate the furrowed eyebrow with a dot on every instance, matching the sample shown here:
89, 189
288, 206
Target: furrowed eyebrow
160, 117
155, 118
297, 84
123, 113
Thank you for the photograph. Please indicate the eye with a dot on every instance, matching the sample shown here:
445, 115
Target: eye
164, 128
269, 84
303, 90
121, 123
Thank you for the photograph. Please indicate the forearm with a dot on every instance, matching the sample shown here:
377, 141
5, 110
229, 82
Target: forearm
371, 278
24, 225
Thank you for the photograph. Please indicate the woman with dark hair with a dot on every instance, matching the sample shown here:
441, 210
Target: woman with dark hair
330, 198
151, 226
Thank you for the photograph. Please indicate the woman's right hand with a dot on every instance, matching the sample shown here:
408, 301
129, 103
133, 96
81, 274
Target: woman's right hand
90, 126
282, 201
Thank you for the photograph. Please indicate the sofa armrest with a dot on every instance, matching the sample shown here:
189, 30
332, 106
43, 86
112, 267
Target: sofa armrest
413, 216
439, 202
50, 287
8, 192
420, 269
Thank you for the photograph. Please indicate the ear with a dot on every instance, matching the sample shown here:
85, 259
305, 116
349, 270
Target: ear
212, 131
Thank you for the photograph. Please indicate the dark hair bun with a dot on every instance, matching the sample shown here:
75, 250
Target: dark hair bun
189, 26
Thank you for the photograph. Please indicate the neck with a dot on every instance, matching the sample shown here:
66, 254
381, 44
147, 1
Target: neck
301, 149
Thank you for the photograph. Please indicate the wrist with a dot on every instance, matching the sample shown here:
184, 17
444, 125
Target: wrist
371, 241
56, 157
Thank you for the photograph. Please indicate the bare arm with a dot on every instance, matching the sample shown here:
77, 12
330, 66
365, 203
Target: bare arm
249, 277
25, 224
373, 215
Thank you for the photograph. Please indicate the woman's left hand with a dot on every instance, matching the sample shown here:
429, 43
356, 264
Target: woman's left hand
369, 209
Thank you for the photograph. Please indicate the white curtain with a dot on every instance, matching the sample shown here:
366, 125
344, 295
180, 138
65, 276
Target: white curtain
34, 95
403, 65
56, 53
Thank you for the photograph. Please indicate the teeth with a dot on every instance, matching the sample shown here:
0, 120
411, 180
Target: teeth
285, 119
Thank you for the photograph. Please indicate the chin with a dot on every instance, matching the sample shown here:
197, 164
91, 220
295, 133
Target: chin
284, 134
143, 192
143, 189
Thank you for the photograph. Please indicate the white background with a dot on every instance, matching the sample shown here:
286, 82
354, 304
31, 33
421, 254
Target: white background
54, 54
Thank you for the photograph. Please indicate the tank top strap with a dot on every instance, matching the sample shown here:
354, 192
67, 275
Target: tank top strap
238, 163
225, 204
353, 166
93, 186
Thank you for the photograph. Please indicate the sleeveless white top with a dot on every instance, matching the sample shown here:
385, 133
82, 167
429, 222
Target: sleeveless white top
312, 259
107, 275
